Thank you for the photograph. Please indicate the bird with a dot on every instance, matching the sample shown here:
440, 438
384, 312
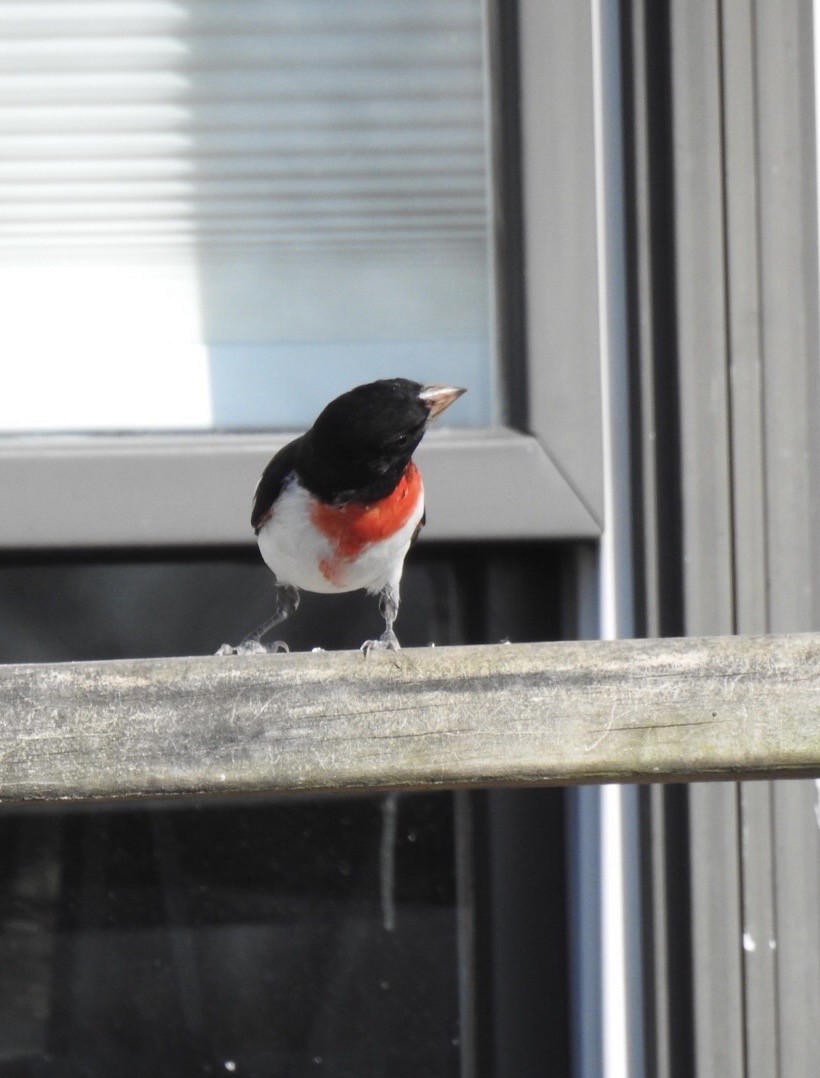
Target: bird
338, 508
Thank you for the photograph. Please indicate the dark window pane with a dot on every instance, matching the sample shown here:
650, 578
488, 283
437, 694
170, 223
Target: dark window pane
378, 935
257, 939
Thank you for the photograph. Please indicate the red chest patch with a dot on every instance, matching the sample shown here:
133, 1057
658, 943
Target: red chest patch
352, 527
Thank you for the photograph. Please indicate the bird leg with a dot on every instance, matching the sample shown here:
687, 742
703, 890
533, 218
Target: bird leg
287, 603
388, 608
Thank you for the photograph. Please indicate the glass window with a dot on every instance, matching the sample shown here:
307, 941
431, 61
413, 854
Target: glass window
404, 934
218, 216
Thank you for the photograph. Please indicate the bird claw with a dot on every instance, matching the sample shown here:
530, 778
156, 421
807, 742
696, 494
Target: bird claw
388, 641
253, 647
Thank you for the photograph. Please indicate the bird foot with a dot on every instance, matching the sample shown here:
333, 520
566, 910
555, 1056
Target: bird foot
388, 641
252, 646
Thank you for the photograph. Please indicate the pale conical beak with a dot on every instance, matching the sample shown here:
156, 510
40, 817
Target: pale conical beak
437, 398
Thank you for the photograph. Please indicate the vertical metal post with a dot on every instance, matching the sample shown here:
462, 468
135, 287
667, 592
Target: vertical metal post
621, 972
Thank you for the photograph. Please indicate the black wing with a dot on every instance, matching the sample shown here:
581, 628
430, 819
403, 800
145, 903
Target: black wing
273, 479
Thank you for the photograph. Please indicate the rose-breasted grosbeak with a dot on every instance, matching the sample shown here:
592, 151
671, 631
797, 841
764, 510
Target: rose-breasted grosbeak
338, 508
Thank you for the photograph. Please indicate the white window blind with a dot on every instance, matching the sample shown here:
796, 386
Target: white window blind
219, 214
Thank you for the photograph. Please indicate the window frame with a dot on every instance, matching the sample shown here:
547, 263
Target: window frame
539, 475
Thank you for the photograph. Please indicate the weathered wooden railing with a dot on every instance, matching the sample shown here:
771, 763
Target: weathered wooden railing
630, 711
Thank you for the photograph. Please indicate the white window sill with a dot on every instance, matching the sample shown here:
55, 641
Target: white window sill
196, 489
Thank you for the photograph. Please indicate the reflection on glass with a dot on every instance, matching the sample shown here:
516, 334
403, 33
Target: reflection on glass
248, 939
222, 215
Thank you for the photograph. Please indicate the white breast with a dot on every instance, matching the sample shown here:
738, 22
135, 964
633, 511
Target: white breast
295, 550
